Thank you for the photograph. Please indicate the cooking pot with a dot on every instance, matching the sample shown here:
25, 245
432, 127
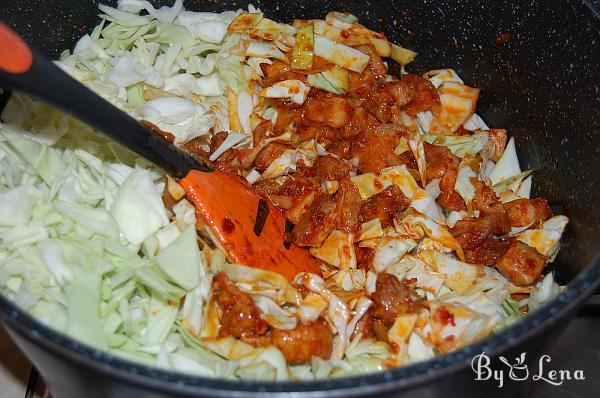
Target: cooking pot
536, 63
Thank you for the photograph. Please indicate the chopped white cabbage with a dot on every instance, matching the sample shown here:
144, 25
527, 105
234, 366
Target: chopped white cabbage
458, 105
441, 76
458, 276
425, 203
370, 230
415, 226
337, 250
340, 54
475, 122
229, 142
389, 251
418, 349
295, 90
138, 208
508, 164
546, 239
464, 183
544, 292
369, 184
264, 50
178, 116
399, 334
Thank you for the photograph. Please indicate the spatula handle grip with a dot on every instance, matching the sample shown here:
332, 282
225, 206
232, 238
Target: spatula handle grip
24, 69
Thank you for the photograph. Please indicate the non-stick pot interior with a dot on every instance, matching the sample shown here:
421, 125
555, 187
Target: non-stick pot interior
535, 65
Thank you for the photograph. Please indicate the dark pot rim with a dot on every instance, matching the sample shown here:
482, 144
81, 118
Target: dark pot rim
560, 308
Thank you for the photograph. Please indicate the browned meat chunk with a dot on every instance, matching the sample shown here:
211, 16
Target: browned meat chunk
285, 116
261, 132
375, 147
398, 92
322, 134
439, 159
279, 71
426, 96
487, 252
384, 206
472, 232
375, 65
523, 212
412, 94
521, 264
341, 149
326, 167
333, 112
449, 198
317, 222
241, 319
364, 257
304, 342
499, 217
391, 298
348, 206
360, 121
484, 196
271, 152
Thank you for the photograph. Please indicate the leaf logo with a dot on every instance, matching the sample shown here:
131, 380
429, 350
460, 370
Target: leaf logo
519, 371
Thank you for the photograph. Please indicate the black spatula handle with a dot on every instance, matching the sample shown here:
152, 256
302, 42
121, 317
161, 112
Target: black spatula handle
24, 69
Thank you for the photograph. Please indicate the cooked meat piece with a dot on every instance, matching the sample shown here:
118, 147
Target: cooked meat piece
333, 112
266, 187
299, 192
363, 327
271, 152
498, 214
523, 212
286, 114
521, 264
363, 85
375, 147
487, 252
317, 222
412, 94
384, 205
348, 206
304, 342
449, 198
279, 71
364, 257
407, 158
391, 298
398, 92
262, 131
322, 134
341, 149
472, 232
484, 196
326, 167
426, 96
375, 65
240, 316
360, 121
439, 159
